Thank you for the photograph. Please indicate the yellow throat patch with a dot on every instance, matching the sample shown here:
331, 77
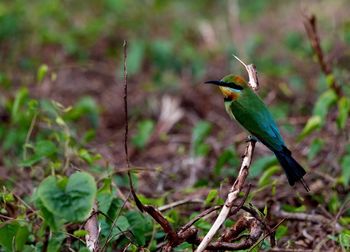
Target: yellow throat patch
229, 94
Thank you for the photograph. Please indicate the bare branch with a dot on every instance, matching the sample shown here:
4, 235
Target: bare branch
231, 197
311, 30
179, 203
307, 217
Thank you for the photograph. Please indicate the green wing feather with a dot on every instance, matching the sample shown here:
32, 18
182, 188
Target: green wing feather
250, 111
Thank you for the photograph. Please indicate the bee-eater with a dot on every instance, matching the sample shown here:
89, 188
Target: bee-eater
244, 105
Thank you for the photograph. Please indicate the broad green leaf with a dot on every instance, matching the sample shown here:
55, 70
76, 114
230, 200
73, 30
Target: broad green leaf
135, 56
265, 178
42, 71
85, 107
42, 149
334, 203
261, 164
199, 134
312, 124
80, 232
345, 165
344, 240
281, 231
324, 102
13, 235
21, 95
228, 156
120, 226
343, 111
315, 147
72, 203
294, 209
55, 241
104, 196
144, 132
140, 226
211, 196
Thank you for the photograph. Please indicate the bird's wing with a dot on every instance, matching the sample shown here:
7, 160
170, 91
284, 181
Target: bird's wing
260, 123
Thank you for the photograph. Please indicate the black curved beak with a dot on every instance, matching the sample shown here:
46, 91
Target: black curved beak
224, 84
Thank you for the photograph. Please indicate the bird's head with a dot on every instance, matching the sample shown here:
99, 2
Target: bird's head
231, 86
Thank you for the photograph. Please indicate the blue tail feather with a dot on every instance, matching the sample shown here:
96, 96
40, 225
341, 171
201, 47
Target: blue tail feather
292, 168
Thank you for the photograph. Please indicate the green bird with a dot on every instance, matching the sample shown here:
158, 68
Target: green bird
246, 107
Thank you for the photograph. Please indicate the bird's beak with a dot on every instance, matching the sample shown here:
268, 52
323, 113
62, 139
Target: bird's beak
218, 83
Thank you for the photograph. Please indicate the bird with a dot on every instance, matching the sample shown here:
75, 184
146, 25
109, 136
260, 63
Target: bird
249, 110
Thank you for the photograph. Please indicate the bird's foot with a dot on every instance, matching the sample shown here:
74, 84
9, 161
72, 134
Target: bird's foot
251, 138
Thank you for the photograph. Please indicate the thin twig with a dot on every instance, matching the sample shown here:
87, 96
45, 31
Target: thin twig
307, 217
125, 47
179, 203
201, 215
263, 238
231, 197
311, 30
252, 74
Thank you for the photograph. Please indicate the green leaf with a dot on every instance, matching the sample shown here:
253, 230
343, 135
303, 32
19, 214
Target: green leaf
135, 56
13, 235
72, 203
228, 156
211, 196
42, 71
55, 241
281, 231
144, 132
324, 102
261, 164
265, 178
344, 240
140, 226
343, 111
104, 196
294, 209
315, 147
43, 149
334, 203
312, 124
199, 134
21, 95
85, 107
80, 232
345, 166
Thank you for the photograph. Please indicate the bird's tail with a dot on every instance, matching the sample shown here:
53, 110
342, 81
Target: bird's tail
292, 168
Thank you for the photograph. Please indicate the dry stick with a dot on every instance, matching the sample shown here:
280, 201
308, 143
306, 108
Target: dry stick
231, 197
311, 30
308, 217
93, 229
179, 203
136, 199
252, 74
273, 230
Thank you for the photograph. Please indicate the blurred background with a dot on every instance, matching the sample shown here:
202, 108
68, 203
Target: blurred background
61, 102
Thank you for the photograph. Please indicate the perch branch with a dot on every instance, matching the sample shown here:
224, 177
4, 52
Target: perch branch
231, 197
252, 74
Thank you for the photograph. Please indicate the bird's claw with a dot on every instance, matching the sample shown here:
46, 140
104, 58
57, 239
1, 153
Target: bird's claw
251, 138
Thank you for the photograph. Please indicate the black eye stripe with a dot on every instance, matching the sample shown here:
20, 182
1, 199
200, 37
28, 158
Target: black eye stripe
225, 84
235, 86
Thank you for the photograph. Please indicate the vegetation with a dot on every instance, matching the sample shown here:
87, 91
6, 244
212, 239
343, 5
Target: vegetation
62, 120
